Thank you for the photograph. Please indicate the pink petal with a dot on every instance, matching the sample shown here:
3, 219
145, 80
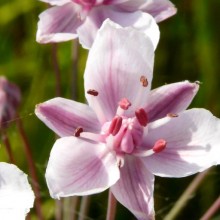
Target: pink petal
63, 116
134, 189
159, 9
78, 167
59, 23
139, 20
115, 73
192, 143
171, 98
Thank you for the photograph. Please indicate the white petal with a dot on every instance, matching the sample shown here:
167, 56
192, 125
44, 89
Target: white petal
137, 19
116, 62
192, 143
63, 116
134, 189
78, 167
171, 98
16, 195
56, 2
59, 23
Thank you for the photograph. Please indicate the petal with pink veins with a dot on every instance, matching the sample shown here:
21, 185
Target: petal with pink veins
172, 98
192, 143
138, 20
135, 188
78, 167
159, 9
115, 65
59, 23
64, 116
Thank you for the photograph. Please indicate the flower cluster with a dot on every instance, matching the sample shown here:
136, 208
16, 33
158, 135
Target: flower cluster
127, 133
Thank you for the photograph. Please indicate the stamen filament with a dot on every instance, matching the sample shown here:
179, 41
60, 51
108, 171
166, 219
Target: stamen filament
93, 136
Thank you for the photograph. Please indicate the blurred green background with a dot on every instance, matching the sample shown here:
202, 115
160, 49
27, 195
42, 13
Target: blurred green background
189, 49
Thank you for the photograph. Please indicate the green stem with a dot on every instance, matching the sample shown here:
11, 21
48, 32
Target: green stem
179, 205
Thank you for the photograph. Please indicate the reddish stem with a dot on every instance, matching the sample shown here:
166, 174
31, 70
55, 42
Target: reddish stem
211, 211
112, 203
32, 168
6, 141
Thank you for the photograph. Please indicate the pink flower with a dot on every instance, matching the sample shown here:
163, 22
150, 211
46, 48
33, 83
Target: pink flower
9, 100
127, 133
69, 19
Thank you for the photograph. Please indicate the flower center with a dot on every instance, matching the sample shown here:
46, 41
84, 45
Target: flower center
123, 134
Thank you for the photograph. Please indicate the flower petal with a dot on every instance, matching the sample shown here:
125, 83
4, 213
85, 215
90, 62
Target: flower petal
59, 23
78, 167
16, 194
63, 116
56, 2
192, 143
134, 189
171, 98
115, 73
159, 9
138, 20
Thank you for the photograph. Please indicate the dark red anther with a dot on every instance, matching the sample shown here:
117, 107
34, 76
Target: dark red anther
159, 145
124, 104
115, 125
78, 131
92, 92
141, 116
144, 81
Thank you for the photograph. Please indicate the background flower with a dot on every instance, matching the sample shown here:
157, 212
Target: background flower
70, 19
16, 195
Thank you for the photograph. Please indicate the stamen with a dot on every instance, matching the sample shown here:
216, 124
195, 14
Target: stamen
144, 81
124, 104
115, 125
141, 116
78, 131
159, 145
92, 92
93, 136
172, 115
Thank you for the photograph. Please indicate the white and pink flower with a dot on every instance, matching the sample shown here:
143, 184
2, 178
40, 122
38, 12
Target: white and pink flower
69, 19
127, 133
